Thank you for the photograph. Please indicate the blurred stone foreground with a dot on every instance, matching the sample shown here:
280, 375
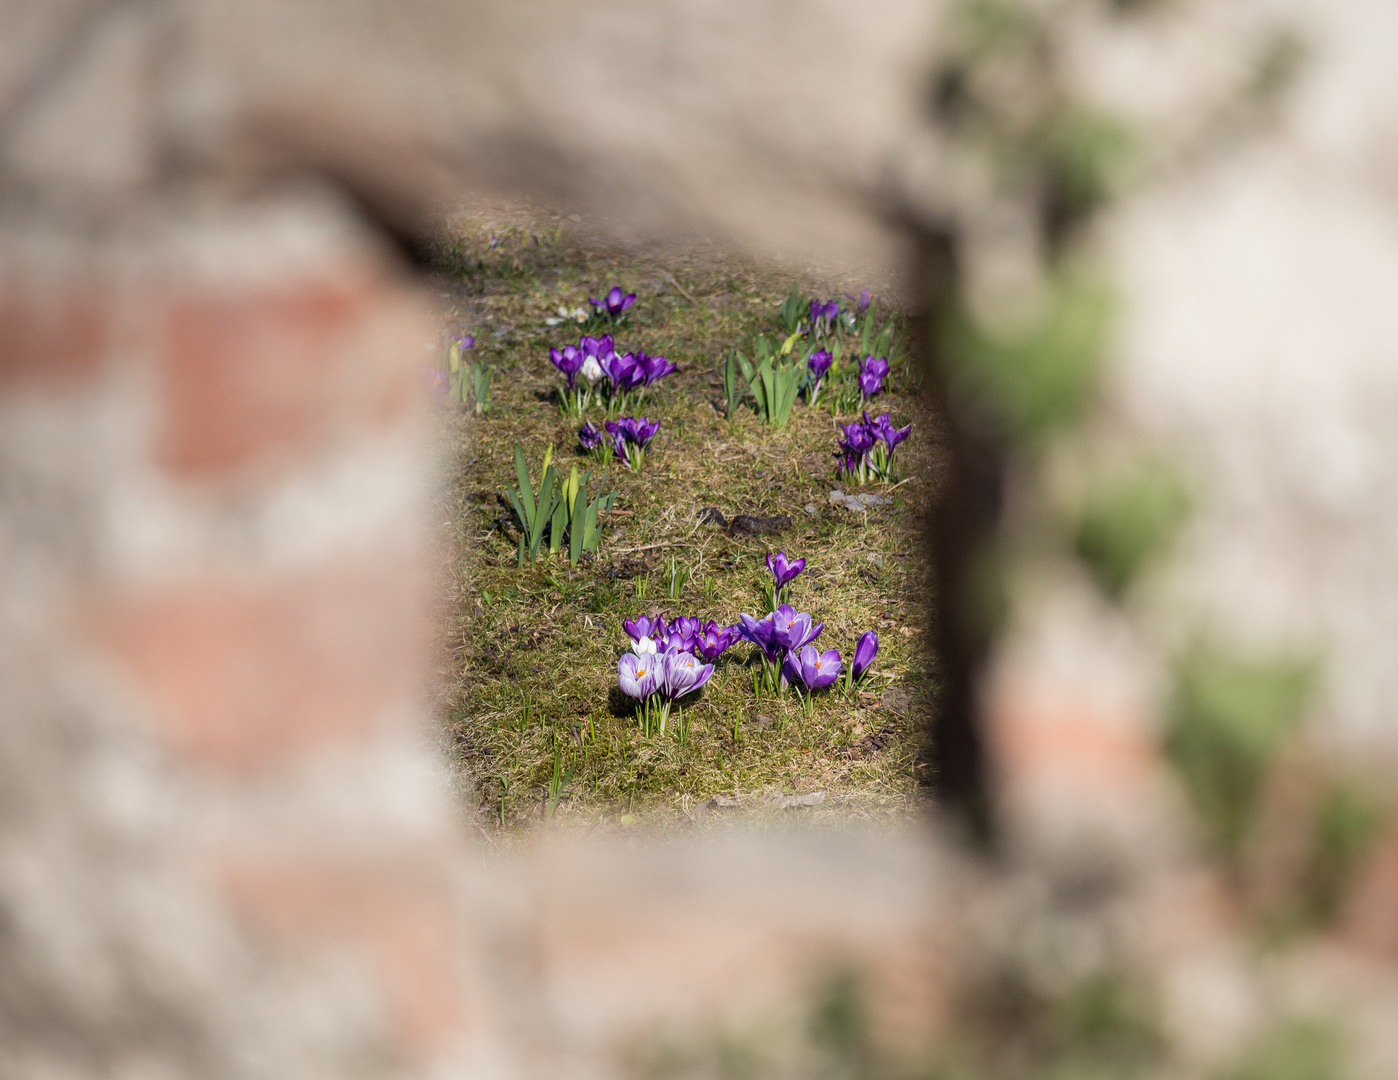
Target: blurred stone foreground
229, 845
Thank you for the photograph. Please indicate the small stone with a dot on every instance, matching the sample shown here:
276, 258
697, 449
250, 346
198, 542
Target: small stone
857, 503
896, 700
810, 508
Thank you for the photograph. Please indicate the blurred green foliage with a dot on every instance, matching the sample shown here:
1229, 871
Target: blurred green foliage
1228, 719
1126, 520
1347, 822
1300, 1050
1030, 380
839, 1028
1105, 1022
1081, 154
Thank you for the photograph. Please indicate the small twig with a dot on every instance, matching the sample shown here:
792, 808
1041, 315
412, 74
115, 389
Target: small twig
675, 281
649, 547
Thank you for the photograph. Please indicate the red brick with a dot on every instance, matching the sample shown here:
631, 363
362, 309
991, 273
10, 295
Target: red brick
1371, 913
1043, 734
401, 917
244, 674
257, 378
52, 333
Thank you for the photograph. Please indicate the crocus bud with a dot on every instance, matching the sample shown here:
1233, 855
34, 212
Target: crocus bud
864, 652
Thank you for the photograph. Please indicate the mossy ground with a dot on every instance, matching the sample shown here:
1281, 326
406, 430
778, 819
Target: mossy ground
538, 728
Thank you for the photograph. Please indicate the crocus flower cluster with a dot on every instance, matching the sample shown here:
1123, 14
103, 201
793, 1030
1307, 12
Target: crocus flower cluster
823, 316
630, 435
668, 661
656, 680
785, 641
630, 372
783, 571
586, 358
594, 357
872, 372
614, 304
783, 632
684, 634
866, 448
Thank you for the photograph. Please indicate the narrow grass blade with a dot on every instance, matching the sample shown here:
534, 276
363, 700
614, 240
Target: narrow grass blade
526, 485
577, 529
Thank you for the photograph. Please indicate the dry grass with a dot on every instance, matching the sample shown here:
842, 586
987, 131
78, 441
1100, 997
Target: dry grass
529, 695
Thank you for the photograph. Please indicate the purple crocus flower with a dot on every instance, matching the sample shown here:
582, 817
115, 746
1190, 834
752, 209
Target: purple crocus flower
864, 652
653, 367
624, 371
761, 633
681, 673
631, 432
810, 668
568, 360
675, 641
638, 676
466, 341
860, 451
872, 370
689, 625
680, 634
819, 363
824, 314
858, 439
864, 299
614, 302
599, 347
630, 429
589, 438
713, 640
619, 427
641, 627
791, 629
441, 382
784, 570
883, 430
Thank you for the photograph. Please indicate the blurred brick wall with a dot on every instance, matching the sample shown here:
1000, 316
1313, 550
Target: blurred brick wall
227, 844
223, 826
